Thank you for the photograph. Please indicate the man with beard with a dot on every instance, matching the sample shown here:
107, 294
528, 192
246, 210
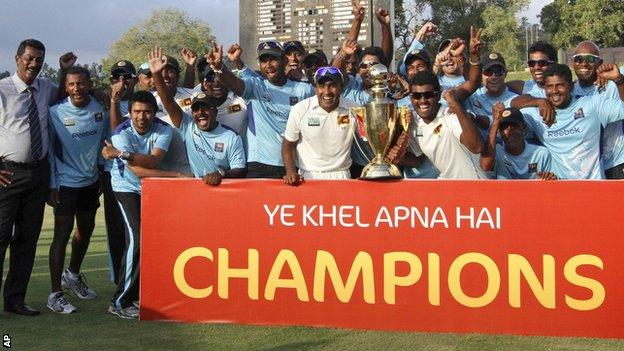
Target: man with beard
24, 168
515, 158
586, 63
79, 126
214, 151
446, 135
574, 138
272, 95
319, 132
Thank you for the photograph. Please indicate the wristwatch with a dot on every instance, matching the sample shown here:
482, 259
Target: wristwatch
221, 172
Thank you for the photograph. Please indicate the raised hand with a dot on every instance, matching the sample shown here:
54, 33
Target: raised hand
609, 71
497, 112
234, 52
189, 56
383, 16
451, 99
358, 10
475, 40
215, 57
349, 47
117, 90
456, 47
427, 30
157, 60
67, 60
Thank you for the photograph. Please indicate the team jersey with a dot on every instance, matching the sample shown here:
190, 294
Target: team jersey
176, 158
231, 113
323, 138
415, 45
220, 148
426, 170
574, 140
183, 98
439, 140
533, 89
270, 105
527, 165
355, 92
612, 153
448, 82
126, 138
480, 104
77, 138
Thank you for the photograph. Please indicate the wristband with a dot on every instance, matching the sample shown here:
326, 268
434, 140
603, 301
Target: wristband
620, 82
474, 63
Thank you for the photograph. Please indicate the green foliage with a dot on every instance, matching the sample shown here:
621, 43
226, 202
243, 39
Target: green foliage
98, 76
4, 74
170, 29
550, 18
601, 21
502, 34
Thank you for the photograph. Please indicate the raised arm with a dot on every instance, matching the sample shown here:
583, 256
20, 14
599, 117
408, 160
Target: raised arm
359, 12
157, 61
65, 62
488, 156
546, 109
387, 42
117, 91
190, 57
474, 72
609, 71
470, 136
229, 79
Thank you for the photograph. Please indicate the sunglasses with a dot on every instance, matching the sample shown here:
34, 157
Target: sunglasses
424, 94
210, 78
366, 64
327, 71
122, 76
495, 72
589, 58
266, 45
541, 63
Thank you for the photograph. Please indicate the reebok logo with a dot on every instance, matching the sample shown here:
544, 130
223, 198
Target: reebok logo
84, 134
560, 133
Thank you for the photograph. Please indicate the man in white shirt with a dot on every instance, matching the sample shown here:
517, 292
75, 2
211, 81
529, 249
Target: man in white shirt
446, 135
319, 132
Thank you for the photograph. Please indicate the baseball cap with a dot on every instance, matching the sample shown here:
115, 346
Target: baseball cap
511, 115
144, 69
417, 54
123, 67
294, 45
492, 59
203, 98
271, 48
172, 62
444, 44
316, 55
328, 72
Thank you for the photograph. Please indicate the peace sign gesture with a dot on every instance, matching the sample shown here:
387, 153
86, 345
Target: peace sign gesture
475, 40
215, 58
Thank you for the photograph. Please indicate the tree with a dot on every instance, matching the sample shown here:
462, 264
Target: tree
170, 29
596, 20
550, 18
50, 72
502, 34
4, 74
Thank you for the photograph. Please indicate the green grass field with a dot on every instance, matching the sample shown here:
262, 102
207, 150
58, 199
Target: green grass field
93, 329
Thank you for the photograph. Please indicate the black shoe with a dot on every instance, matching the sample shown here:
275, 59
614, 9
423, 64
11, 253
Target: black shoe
21, 309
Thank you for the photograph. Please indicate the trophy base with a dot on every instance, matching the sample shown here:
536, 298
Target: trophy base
380, 171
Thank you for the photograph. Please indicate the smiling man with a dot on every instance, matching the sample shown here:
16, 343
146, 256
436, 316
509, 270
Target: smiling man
79, 126
319, 132
574, 138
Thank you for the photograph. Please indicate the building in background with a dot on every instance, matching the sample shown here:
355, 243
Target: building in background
318, 24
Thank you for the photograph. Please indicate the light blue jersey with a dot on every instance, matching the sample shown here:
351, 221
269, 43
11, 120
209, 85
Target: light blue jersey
415, 45
77, 138
221, 148
125, 138
574, 140
448, 82
533, 160
533, 89
355, 92
480, 104
612, 153
270, 106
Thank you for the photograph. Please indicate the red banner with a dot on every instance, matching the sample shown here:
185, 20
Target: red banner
510, 257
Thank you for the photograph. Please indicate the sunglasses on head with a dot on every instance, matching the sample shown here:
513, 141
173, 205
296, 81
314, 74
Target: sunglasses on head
542, 63
425, 94
328, 70
589, 58
495, 72
366, 64
265, 45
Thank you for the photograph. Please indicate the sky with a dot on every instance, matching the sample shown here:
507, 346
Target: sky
89, 28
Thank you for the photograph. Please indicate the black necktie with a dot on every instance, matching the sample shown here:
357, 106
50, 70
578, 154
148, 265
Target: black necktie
36, 149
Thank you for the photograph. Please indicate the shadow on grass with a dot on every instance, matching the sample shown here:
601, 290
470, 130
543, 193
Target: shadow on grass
304, 345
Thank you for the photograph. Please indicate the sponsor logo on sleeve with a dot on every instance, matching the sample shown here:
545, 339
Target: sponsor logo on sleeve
234, 108
532, 167
293, 100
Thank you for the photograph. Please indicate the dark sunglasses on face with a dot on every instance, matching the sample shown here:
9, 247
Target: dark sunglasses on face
366, 64
589, 58
541, 63
424, 94
495, 72
210, 78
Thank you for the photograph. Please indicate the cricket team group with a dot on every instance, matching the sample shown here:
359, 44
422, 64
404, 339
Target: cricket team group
66, 145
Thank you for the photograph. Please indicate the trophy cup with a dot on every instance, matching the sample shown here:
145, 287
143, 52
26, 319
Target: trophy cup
379, 125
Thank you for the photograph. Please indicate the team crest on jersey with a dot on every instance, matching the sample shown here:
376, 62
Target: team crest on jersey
185, 102
532, 167
69, 122
579, 113
99, 117
218, 147
438, 130
234, 108
293, 100
343, 119
477, 104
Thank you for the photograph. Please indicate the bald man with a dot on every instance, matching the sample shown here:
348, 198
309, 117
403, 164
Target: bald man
589, 66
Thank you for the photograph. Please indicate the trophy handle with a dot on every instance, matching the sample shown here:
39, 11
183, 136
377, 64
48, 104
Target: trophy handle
359, 132
405, 118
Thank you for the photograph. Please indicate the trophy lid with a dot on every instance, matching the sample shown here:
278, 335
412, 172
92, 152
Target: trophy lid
377, 74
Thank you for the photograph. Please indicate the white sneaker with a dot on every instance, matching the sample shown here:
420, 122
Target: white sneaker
58, 304
77, 285
125, 313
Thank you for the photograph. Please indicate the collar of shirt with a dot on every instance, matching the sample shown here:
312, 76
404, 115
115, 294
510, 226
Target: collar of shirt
20, 86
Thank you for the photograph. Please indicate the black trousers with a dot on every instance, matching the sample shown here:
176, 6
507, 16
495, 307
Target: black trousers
21, 215
261, 170
128, 285
115, 230
616, 172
